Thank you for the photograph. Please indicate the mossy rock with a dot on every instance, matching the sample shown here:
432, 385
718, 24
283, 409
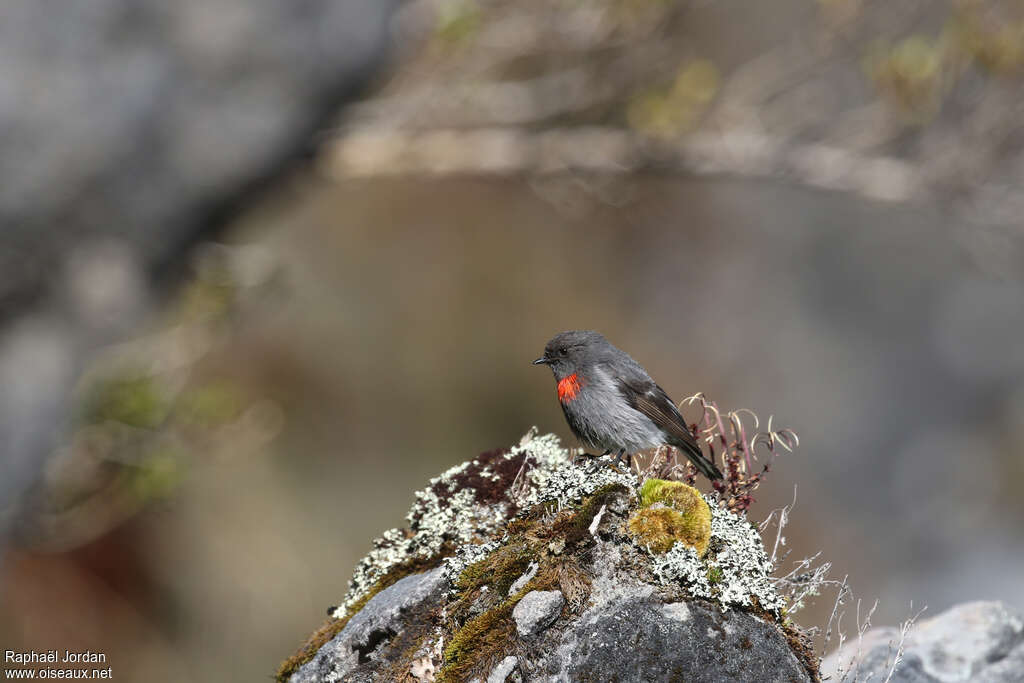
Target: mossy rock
671, 511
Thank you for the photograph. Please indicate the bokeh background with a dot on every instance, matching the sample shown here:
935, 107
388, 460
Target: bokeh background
267, 271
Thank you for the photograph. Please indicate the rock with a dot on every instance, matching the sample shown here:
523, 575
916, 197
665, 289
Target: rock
975, 641
501, 673
536, 611
645, 639
377, 633
588, 602
633, 632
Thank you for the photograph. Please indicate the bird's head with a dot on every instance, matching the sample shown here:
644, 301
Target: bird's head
570, 352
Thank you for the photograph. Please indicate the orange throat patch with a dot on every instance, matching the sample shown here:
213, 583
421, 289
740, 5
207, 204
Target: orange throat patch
569, 387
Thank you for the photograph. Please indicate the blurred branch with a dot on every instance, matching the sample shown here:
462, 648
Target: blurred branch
897, 102
511, 151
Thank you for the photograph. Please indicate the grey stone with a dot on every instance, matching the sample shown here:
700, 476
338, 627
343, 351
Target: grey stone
642, 639
504, 669
630, 630
975, 641
1009, 668
372, 635
536, 611
521, 582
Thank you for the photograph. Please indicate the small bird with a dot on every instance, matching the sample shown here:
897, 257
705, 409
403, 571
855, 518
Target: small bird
610, 402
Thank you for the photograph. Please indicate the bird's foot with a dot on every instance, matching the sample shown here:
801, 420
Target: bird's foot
597, 461
623, 457
581, 458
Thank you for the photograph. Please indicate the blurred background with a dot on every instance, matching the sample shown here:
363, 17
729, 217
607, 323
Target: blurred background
265, 269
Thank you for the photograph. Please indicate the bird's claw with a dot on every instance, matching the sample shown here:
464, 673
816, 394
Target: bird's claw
583, 457
623, 458
600, 462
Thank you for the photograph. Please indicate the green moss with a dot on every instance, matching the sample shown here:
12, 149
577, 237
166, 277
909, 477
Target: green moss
671, 511
715, 575
483, 638
480, 637
131, 399
675, 494
499, 570
479, 640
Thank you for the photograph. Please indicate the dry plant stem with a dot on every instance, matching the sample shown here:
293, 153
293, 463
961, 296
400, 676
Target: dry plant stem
736, 449
841, 595
805, 579
900, 644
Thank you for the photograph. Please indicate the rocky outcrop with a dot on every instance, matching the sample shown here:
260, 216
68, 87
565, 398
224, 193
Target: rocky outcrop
540, 578
373, 639
980, 642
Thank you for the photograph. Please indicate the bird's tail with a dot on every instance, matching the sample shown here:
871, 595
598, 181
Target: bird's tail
703, 465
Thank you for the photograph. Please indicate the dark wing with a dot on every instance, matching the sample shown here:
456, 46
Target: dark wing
645, 396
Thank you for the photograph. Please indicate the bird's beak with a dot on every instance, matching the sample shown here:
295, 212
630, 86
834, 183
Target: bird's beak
541, 361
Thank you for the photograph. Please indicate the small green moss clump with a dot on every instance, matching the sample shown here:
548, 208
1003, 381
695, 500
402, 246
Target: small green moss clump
674, 494
671, 511
499, 571
479, 637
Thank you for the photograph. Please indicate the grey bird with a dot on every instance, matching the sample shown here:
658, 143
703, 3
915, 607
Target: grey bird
611, 403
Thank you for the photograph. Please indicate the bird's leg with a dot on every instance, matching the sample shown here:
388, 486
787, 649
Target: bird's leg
623, 456
588, 456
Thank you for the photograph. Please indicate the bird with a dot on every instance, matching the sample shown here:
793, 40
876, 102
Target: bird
611, 403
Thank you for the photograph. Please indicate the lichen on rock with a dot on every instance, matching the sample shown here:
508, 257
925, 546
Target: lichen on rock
736, 571
522, 529
470, 503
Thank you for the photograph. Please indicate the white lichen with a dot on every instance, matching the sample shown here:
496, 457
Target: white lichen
681, 564
553, 478
738, 562
466, 555
736, 572
446, 512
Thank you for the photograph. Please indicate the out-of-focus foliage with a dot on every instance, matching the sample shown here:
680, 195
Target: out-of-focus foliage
149, 411
668, 112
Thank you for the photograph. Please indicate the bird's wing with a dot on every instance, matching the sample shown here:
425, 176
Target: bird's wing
645, 396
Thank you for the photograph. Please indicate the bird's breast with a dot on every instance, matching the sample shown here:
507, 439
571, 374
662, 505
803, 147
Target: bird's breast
569, 387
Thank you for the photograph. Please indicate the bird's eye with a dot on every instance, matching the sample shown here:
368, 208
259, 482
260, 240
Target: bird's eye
561, 351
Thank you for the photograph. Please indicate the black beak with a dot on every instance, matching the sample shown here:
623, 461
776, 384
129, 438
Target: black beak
541, 361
